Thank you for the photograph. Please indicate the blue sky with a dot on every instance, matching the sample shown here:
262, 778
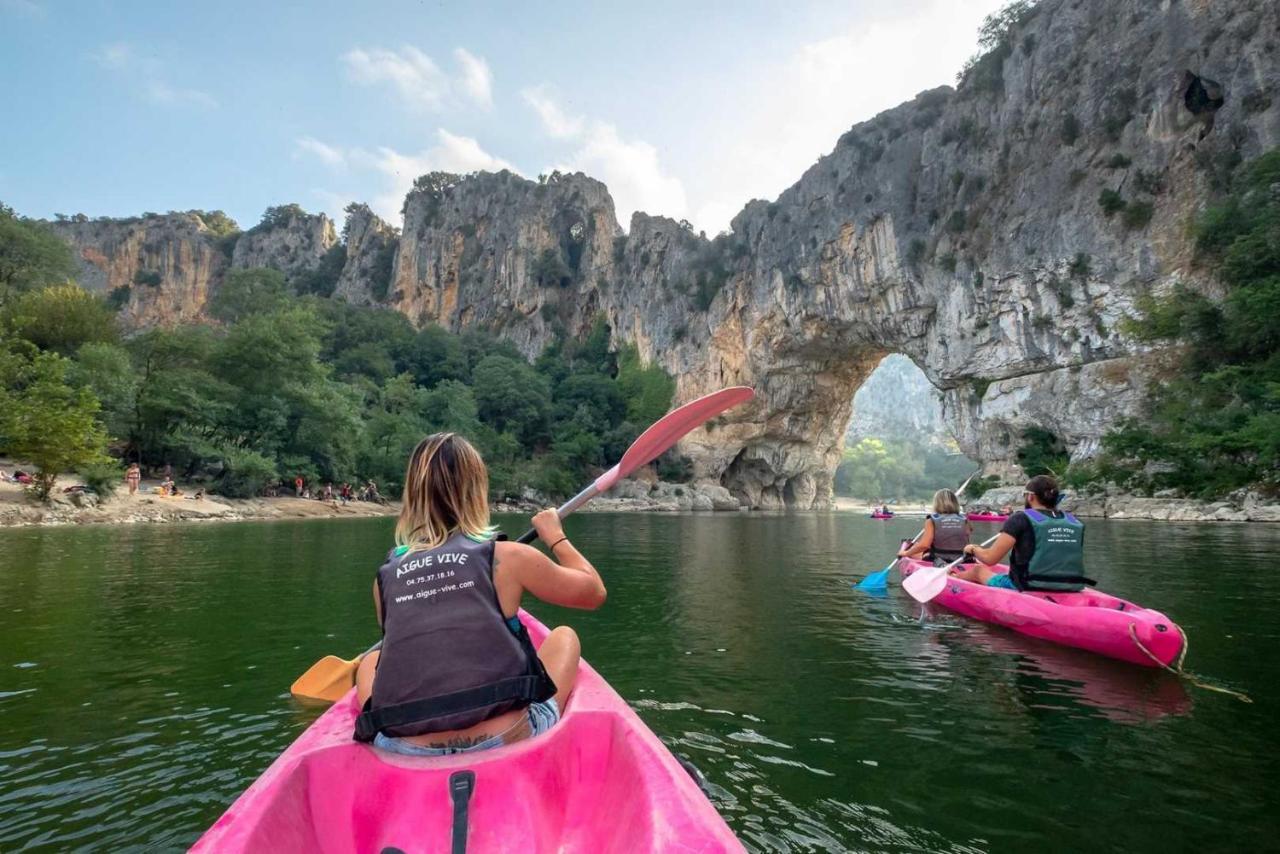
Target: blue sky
683, 109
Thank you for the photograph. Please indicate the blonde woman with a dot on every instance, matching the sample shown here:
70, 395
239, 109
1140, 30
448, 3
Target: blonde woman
457, 671
946, 531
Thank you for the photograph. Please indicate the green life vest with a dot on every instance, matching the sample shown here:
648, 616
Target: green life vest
1058, 561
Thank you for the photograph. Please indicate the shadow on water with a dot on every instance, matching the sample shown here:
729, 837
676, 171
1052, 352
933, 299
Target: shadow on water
144, 675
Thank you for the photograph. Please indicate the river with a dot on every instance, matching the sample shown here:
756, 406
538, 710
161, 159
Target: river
144, 675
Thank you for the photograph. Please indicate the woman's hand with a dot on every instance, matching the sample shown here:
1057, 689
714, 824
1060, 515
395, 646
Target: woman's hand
970, 550
902, 553
547, 524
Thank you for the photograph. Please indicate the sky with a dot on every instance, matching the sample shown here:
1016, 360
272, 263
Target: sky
685, 109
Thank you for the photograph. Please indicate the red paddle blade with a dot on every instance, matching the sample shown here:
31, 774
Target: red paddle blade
670, 428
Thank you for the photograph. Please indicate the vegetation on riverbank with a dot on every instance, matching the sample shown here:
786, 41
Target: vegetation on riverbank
876, 469
280, 384
1214, 425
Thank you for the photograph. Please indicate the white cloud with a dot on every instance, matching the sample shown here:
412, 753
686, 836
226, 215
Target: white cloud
476, 80
554, 120
413, 74
451, 153
630, 168
146, 76
162, 93
783, 116
326, 154
416, 78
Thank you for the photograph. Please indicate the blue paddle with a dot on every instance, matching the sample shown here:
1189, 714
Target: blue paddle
877, 580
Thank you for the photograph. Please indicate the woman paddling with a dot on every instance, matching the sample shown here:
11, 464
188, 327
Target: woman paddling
1047, 546
457, 671
946, 531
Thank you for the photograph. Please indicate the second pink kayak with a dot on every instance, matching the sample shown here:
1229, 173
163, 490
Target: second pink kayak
985, 517
598, 781
1089, 619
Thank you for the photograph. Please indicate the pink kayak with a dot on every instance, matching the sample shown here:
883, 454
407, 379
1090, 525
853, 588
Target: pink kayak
985, 517
598, 781
1090, 619
881, 515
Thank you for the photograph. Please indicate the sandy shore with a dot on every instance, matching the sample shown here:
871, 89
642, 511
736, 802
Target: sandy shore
857, 505
147, 505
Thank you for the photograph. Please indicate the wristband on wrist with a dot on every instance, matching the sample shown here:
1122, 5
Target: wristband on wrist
552, 547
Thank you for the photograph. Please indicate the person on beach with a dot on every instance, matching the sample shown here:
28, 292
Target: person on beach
166, 486
297, 486
132, 477
450, 580
946, 532
1047, 546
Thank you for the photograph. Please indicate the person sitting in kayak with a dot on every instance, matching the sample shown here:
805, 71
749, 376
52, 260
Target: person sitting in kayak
946, 531
1047, 546
457, 670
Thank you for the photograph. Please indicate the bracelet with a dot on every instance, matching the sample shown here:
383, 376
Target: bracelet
552, 547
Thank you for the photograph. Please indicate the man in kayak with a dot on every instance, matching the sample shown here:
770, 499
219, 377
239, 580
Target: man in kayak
457, 671
946, 531
1047, 546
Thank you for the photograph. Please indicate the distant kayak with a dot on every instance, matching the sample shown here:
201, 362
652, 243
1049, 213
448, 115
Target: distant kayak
882, 515
599, 780
985, 517
1089, 619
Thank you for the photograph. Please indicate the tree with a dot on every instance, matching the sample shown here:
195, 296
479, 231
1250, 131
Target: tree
511, 397
49, 423
62, 318
647, 389
244, 293
107, 370
31, 255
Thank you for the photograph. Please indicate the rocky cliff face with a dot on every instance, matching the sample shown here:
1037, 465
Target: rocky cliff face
292, 242
996, 234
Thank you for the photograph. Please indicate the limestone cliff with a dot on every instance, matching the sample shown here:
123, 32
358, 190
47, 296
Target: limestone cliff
288, 239
996, 234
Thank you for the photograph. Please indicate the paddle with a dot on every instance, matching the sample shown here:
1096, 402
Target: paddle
880, 579
927, 583
331, 677
660, 436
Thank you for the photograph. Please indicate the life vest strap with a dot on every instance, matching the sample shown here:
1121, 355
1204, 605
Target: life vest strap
531, 688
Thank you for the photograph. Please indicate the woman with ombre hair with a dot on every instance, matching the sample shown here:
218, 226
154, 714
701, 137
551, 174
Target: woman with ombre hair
456, 671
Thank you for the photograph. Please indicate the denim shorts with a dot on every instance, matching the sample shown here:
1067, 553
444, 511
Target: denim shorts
1001, 581
542, 716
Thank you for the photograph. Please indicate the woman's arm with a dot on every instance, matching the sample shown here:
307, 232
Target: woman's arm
993, 554
922, 544
570, 580
377, 601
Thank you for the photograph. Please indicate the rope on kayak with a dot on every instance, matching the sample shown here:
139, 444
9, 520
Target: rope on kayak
1178, 671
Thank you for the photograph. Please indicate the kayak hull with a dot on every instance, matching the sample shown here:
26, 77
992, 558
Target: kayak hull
985, 517
1089, 619
882, 515
599, 780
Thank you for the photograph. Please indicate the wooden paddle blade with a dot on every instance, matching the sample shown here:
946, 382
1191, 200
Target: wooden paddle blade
328, 679
924, 584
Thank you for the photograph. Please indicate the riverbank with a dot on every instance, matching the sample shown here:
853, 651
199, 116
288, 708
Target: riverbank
1239, 506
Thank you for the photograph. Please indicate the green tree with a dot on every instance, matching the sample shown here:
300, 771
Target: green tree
61, 318
512, 397
31, 255
46, 421
107, 370
244, 293
647, 389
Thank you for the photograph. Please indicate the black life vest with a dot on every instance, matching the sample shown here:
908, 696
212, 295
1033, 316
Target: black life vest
950, 536
449, 657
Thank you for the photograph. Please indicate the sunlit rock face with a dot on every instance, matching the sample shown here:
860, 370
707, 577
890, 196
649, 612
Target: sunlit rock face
161, 268
963, 229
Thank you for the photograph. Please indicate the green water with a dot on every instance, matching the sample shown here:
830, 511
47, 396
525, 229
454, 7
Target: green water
144, 674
